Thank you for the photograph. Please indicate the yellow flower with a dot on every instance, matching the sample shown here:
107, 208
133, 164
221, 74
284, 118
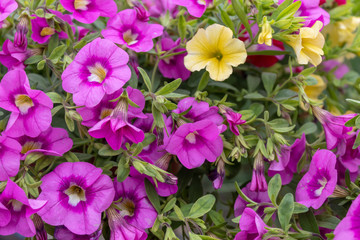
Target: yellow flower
215, 49
308, 44
342, 32
266, 34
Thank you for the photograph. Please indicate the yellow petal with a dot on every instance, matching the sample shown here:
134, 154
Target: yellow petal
218, 36
199, 43
219, 70
314, 91
195, 62
234, 53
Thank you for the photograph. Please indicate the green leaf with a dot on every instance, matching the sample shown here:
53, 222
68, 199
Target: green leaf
80, 44
40, 66
158, 117
299, 208
169, 205
227, 21
285, 211
33, 157
133, 82
57, 53
242, 194
55, 97
182, 27
123, 169
351, 122
280, 8
239, 10
69, 122
71, 157
107, 151
202, 206
274, 188
179, 213
308, 71
254, 95
353, 102
307, 128
329, 222
203, 81
33, 59
252, 82
146, 79
357, 141
194, 236
289, 11
56, 109
268, 80
152, 195
308, 222
170, 87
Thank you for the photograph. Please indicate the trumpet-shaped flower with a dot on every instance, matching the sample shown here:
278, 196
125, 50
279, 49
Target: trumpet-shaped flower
319, 182
30, 109
195, 8
158, 8
265, 35
99, 68
16, 210
62, 233
349, 227
251, 225
6, 8
77, 194
215, 50
308, 44
9, 157
87, 11
13, 57
125, 28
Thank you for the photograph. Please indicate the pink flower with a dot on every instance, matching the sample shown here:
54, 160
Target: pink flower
62, 233
195, 8
251, 225
158, 8
126, 29
341, 69
9, 157
173, 67
258, 181
16, 210
87, 11
6, 8
288, 160
30, 109
13, 57
233, 118
99, 68
319, 182
141, 12
53, 141
77, 194
349, 227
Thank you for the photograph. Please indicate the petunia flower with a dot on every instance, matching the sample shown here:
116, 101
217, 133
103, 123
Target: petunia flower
88, 11
41, 233
192, 143
16, 210
30, 109
77, 194
251, 225
6, 8
9, 157
62, 233
126, 29
159, 8
334, 126
349, 227
308, 44
215, 50
20, 39
342, 32
13, 57
233, 118
258, 181
53, 141
173, 67
195, 8
288, 160
319, 182
99, 68
265, 36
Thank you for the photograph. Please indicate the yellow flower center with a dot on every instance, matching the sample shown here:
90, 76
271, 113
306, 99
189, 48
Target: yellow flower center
129, 37
76, 194
191, 137
47, 31
30, 145
127, 207
105, 112
81, 4
24, 103
98, 73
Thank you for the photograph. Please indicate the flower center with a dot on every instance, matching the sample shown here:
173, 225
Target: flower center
81, 4
98, 73
30, 145
191, 137
127, 207
16, 205
218, 56
323, 183
23, 102
201, 2
76, 194
129, 37
47, 31
105, 112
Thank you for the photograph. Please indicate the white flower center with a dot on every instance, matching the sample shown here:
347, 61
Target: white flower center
98, 73
30, 145
323, 183
201, 2
129, 37
81, 4
17, 206
191, 137
76, 194
23, 102
127, 207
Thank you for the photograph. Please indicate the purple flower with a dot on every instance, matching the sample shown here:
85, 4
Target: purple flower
9, 157
136, 212
13, 57
217, 175
16, 210
98, 69
30, 109
42, 31
251, 225
192, 143
288, 160
334, 126
62, 233
88, 11
126, 29
158, 8
142, 14
53, 141
349, 227
20, 40
341, 69
319, 182
173, 67
258, 181
41, 233
195, 8
233, 118
6, 8
92, 116
257, 196
77, 194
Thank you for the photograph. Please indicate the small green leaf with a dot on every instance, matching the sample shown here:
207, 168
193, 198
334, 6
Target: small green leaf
299, 208
33, 59
240, 12
357, 141
182, 27
268, 80
202, 206
71, 157
274, 188
152, 195
55, 97
146, 79
107, 151
289, 11
170, 87
194, 236
57, 53
69, 122
41, 65
285, 211
169, 205
123, 169
308, 222
226, 19
254, 95
351, 122
308, 71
